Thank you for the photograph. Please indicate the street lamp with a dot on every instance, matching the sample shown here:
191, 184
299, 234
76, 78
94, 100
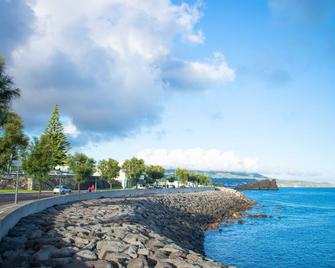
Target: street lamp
17, 164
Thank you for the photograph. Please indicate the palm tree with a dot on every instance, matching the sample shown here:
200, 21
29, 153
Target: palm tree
8, 91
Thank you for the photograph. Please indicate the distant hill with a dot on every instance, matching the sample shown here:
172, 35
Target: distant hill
227, 174
235, 175
286, 183
228, 178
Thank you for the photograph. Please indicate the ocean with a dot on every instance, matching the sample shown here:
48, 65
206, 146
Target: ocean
300, 233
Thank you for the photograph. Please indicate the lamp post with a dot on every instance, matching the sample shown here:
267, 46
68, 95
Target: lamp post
17, 164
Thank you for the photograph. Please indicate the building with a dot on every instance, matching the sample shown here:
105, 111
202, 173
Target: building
122, 179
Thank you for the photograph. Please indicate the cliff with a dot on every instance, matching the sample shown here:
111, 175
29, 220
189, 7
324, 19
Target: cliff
259, 185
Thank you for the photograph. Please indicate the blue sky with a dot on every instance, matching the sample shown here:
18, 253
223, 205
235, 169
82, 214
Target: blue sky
223, 85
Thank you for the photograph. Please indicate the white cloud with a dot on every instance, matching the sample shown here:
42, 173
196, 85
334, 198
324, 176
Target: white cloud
103, 62
199, 159
198, 75
71, 129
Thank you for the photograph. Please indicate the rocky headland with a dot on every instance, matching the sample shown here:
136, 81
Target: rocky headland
259, 185
162, 231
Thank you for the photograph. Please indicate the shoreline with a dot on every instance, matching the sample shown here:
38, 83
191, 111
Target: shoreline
152, 231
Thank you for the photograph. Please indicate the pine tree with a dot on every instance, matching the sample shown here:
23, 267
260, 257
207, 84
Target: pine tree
57, 140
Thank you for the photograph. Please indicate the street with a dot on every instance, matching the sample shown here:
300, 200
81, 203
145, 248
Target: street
8, 198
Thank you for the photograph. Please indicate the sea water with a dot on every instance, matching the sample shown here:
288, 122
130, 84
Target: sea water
300, 233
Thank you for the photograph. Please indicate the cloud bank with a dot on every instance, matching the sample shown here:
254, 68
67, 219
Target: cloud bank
199, 159
106, 63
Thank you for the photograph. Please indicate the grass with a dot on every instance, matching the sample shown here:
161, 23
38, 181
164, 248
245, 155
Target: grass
114, 188
20, 190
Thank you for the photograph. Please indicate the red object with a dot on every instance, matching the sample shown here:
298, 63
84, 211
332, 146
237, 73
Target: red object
91, 188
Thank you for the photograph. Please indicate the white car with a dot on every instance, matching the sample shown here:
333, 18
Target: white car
62, 189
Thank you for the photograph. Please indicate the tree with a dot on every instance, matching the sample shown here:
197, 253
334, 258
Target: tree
134, 169
109, 170
203, 179
8, 92
57, 140
82, 166
171, 178
154, 173
193, 177
13, 141
37, 163
183, 175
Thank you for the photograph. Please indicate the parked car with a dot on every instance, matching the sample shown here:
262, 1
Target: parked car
62, 189
140, 186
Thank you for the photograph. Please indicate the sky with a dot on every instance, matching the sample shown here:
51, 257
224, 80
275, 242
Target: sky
228, 85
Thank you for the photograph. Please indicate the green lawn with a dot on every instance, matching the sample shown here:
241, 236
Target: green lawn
114, 188
20, 190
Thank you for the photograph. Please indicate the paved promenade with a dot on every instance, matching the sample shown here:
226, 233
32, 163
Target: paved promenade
8, 198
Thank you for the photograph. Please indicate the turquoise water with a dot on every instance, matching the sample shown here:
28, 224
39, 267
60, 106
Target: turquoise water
301, 232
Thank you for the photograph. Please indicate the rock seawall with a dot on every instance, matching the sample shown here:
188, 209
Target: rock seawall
156, 231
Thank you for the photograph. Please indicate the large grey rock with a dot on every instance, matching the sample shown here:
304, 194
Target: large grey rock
43, 256
36, 234
14, 243
16, 258
86, 255
135, 239
114, 256
102, 264
64, 252
131, 251
60, 262
138, 263
81, 242
112, 246
164, 264
143, 251
154, 244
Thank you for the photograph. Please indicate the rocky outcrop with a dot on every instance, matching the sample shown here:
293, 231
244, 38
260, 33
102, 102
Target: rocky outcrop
259, 185
157, 231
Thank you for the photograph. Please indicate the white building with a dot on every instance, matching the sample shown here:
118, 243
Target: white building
122, 179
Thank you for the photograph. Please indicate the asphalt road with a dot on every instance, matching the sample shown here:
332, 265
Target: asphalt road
8, 198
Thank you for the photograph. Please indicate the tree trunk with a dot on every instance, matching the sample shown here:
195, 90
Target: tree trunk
39, 190
78, 187
110, 185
